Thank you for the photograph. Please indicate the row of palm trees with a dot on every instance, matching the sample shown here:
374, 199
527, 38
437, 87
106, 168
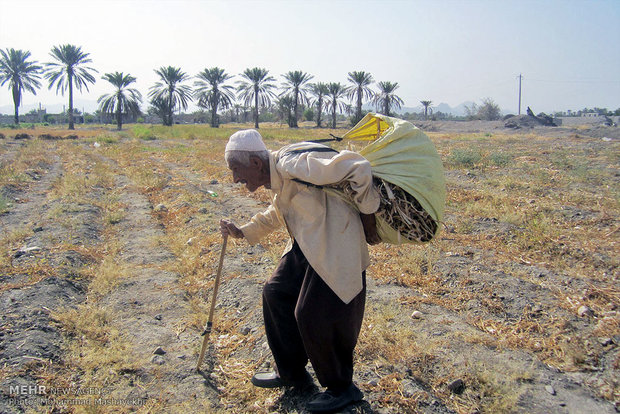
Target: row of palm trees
70, 69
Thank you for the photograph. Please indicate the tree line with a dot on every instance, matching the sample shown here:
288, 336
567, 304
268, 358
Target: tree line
70, 69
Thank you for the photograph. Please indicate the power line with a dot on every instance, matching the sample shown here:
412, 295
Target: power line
574, 81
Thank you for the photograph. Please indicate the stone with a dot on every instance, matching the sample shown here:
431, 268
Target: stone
605, 341
25, 250
457, 386
537, 309
409, 388
159, 351
584, 311
160, 207
245, 330
416, 315
550, 389
158, 359
158, 317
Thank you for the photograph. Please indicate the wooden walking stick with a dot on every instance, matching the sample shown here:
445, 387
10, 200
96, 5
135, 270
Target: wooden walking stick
207, 330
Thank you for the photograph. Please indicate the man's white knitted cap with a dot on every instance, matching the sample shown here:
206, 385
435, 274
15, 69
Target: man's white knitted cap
246, 140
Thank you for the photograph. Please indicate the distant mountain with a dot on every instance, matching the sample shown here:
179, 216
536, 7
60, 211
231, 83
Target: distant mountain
79, 104
458, 110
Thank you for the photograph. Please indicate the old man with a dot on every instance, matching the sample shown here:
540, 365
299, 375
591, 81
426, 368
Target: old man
313, 304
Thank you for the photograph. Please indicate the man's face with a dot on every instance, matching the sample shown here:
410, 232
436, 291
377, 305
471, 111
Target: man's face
250, 175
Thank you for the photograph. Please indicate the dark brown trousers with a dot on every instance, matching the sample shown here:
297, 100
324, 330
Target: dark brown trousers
305, 320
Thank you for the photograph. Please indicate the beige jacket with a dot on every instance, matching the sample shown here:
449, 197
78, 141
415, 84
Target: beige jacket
327, 229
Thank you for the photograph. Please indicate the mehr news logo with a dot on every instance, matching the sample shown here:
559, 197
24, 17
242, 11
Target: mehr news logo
37, 395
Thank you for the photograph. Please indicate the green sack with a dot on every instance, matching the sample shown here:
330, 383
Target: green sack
404, 156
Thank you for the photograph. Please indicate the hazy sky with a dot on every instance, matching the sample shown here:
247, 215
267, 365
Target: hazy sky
444, 51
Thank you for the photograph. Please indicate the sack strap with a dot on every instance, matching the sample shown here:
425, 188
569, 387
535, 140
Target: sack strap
311, 149
297, 180
333, 138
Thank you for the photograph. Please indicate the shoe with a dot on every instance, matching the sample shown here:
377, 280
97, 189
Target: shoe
273, 380
332, 401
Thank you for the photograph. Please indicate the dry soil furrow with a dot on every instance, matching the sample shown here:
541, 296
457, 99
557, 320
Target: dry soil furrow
150, 309
42, 278
9, 148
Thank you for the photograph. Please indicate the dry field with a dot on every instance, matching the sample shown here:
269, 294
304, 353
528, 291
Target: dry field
109, 245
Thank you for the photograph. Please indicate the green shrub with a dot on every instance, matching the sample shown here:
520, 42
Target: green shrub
107, 139
309, 114
4, 204
465, 157
143, 132
500, 159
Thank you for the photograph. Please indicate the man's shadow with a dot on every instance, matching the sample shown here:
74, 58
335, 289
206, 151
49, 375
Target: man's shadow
294, 400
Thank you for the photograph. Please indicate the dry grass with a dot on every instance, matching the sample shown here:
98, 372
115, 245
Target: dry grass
12, 240
93, 340
556, 209
486, 392
530, 203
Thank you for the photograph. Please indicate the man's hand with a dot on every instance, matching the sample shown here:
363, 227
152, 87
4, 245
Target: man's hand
370, 228
227, 227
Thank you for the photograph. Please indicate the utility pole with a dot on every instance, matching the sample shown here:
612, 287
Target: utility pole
520, 77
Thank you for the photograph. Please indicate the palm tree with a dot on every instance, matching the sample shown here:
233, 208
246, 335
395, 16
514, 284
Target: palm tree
170, 91
295, 86
159, 107
257, 89
124, 100
426, 104
319, 91
68, 70
20, 73
212, 93
284, 106
335, 92
359, 90
348, 108
386, 98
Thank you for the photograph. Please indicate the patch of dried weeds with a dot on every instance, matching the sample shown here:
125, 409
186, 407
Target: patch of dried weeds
528, 205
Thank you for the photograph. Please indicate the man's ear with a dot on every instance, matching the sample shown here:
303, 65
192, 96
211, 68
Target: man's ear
256, 162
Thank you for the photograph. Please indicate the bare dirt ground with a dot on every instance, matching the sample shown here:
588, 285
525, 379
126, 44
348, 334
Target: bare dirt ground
109, 248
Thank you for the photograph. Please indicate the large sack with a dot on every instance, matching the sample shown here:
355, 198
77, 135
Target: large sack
404, 156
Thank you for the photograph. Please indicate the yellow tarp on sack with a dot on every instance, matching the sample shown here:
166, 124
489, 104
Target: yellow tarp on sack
404, 156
